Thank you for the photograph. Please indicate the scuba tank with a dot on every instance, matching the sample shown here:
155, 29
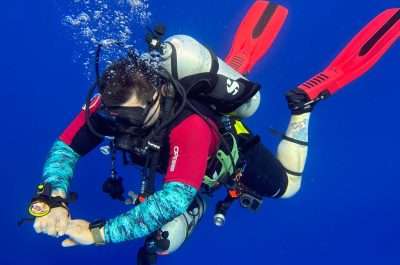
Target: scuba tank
225, 90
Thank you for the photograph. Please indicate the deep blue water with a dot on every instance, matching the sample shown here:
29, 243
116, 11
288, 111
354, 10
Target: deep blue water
347, 211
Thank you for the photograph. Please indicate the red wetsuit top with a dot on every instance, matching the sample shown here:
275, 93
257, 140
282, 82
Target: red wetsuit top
191, 142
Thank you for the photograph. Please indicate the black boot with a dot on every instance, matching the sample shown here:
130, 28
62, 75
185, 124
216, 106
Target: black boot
299, 102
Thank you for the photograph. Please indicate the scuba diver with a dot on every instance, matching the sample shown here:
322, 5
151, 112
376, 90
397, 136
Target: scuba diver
183, 119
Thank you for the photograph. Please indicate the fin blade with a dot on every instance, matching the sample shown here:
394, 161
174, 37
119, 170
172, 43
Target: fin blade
255, 35
385, 29
362, 52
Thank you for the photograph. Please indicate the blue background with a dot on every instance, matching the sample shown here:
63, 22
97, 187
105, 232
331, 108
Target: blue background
347, 211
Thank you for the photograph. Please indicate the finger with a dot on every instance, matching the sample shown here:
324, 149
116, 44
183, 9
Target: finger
69, 242
36, 225
43, 226
62, 226
63, 211
51, 228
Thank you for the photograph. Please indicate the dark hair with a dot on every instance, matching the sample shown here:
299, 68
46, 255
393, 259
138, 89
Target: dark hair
122, 79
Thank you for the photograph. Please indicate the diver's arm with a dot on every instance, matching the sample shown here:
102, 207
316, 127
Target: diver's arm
160, 208
58, 171
59, 167
171, 201
75, 141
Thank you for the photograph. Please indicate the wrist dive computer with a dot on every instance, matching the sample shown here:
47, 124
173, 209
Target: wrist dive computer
42, 202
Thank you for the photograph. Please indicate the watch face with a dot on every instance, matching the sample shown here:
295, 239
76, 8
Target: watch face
38, 209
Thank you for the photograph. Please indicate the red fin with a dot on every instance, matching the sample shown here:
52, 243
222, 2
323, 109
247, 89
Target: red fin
363, 51
255, 35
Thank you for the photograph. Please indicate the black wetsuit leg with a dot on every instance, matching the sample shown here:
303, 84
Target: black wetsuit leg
264, 173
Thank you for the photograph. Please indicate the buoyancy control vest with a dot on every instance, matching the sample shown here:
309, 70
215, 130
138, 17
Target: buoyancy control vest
139, 159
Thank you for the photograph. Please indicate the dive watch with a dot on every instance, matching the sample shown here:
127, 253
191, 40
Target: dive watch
95, 227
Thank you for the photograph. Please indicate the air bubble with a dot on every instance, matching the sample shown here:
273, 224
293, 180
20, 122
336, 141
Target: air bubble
92, 21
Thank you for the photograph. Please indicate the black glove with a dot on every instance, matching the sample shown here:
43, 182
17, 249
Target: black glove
297, 101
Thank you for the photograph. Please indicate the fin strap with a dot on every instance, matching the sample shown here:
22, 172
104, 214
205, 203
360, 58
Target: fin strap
287, 138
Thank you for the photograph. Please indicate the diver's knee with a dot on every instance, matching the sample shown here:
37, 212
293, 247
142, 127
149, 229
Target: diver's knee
293, 186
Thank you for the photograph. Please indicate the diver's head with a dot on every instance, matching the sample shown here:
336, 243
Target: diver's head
129, 93
124, 79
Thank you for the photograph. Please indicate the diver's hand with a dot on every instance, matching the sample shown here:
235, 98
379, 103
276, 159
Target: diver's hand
79, 234
55, 222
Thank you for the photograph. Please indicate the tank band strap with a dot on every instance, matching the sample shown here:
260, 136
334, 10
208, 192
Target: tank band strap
174, 61
297, 174
214, 62
284, 137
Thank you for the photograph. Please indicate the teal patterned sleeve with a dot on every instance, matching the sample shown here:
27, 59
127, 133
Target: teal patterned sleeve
59, 166
157, 210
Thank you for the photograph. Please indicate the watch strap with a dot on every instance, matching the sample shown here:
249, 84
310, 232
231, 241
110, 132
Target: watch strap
98, 240
95, 228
